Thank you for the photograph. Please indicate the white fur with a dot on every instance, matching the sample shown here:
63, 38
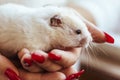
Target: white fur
22, 27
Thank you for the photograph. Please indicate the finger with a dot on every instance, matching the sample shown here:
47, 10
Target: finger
42, 76
98, 35
71, 73
8, 70
27, 62
48, 65
68, 71
68, 57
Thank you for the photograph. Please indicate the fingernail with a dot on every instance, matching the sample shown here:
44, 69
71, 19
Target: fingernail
11, 75
75, 76
108, 38
38, 58
27, 62
54, 57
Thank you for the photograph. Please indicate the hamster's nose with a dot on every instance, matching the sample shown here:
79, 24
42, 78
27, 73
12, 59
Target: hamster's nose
85, 41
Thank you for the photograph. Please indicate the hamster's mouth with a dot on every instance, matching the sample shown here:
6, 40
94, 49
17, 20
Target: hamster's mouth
78, 46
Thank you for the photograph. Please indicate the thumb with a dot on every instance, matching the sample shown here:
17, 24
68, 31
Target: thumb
8, 70
98, 35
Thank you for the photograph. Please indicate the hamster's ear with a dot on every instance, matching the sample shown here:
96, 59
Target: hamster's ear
55, 21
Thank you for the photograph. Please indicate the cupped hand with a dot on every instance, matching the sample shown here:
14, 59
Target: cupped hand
55, 60
9, 72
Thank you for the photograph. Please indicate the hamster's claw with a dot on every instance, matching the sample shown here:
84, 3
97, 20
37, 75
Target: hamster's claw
75, 76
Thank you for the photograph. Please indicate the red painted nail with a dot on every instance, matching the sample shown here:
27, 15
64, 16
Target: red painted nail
76, 75
38, 58
108, 38
54, 57
11, 75
27, 62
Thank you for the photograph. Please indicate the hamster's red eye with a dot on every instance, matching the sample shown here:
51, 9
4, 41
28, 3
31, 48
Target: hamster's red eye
55, 21
78, 31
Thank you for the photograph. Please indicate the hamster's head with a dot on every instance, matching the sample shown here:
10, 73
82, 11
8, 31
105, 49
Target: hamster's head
69, 30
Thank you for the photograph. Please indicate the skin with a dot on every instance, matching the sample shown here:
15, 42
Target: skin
23, 74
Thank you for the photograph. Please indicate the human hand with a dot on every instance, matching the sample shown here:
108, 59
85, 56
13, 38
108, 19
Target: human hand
53, 61
58, 75
9, 71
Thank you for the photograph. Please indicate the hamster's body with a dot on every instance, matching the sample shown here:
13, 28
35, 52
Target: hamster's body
22, 27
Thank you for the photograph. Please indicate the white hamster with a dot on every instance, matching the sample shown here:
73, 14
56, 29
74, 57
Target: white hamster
42, 28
